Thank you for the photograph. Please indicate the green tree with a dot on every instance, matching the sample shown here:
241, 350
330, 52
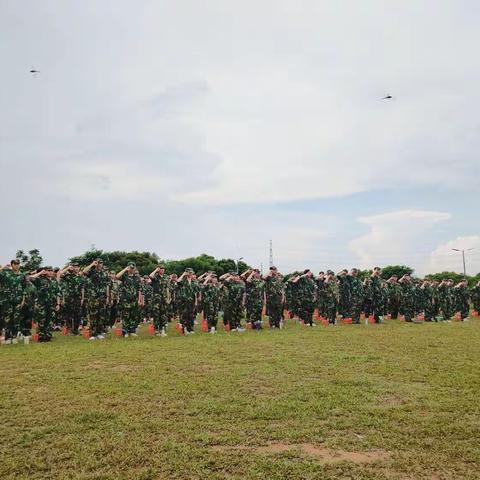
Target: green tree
399, 270
29, 261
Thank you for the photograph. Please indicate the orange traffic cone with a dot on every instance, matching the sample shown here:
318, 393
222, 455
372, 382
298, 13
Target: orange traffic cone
371, 319
227, 327
302, 323
86, 333
64, 330
35, 337
475, 313
458, 316
204, 325
421, 317
151, 329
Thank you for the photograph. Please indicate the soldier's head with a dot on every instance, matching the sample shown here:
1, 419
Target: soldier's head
48, 272
15, 265
377, 271
173, 277
330, 274
161, 269
393, 279
354, 272
74, 267
213, 279
147, 279
321, 274
273, 271
132, 268
307, 272
189, 273
99, 264
256, 273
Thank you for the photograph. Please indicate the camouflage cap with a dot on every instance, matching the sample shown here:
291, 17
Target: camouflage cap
330, 272
161, 265
189, 270
131, 264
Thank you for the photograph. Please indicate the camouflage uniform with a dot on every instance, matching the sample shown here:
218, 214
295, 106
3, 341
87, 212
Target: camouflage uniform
255, 299
186, 296
408, 300
160, 294
12, 291
146, 311
71, 286
446, 300
97, 293
475, 296
332, 295
306, 298
48, 293
428, 302
356, 297
344, 291
27, 313
394, 298
129, 296
462, 300
211, 303
378, 297
235, 291
320, 304
274, 292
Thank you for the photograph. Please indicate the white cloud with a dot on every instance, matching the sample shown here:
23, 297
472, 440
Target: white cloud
395, 237
443, 258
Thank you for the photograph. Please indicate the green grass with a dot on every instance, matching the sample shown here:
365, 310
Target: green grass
146, 408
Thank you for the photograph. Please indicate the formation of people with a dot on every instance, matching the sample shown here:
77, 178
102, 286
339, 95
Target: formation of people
94, 299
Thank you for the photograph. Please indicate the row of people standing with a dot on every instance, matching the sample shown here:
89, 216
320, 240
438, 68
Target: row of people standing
95, 298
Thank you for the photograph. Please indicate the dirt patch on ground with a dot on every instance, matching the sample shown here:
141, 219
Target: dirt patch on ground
96, 365
323, 455
121, 367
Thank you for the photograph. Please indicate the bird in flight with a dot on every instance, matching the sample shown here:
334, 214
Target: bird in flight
387, 97
33, 71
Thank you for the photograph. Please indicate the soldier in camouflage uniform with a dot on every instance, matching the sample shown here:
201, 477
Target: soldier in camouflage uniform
394, 296
97, 297
446, 300
475, 296
320, 281
306, 297
428, 298
11, 281
27, 313
112, 305
275, 296
146, 291
356, 295
234, 300
173, 310
48, 302
292, 300
408, 297
377, 295
344, 289
211, 291
332, 297
71, 283
462, 299
187, 298
161, 299
130, 298
255, 298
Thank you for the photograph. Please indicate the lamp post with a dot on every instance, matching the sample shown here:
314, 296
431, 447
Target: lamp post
463, 258
238, 261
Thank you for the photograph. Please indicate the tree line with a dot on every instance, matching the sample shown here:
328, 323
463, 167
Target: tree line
146, 262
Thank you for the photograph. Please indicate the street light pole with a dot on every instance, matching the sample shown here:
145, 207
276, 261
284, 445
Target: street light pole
238, 261
463, 258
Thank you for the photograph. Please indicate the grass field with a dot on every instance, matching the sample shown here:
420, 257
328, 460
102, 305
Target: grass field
391, 401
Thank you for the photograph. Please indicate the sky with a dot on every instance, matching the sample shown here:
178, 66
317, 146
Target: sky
185, 127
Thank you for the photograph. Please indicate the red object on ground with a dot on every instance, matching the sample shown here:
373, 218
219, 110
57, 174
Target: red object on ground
420, 318
475, 313
117, 331
227, 327
64, 330
458, 316
151, 329
371, 319
35, 337
347, 321
302, 323
204, 325
86, 333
